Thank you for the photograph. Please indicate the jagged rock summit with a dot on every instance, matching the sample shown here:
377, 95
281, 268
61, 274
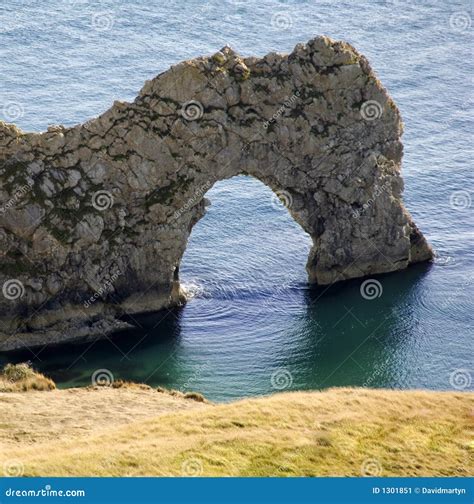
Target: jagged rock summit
95, 218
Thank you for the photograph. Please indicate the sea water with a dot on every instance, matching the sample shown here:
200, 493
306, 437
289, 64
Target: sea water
252, 325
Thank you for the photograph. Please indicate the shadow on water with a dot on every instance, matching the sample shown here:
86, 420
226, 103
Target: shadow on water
72, 364
352, 340
328, 337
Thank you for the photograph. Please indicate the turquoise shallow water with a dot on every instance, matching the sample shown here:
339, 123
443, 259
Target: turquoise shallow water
252, 325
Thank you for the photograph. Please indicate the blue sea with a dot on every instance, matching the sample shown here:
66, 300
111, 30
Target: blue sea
252, 325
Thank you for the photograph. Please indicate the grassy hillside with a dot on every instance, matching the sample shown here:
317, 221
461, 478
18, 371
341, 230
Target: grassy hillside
135, 430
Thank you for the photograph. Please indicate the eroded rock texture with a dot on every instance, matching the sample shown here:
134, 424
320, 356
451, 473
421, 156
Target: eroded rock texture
95, 218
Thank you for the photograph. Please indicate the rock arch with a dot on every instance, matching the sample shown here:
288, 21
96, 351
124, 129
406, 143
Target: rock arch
95, 218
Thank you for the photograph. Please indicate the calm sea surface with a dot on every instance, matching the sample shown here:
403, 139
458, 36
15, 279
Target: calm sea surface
252, 326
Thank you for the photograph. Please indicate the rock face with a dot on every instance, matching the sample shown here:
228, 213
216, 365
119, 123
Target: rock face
95, 218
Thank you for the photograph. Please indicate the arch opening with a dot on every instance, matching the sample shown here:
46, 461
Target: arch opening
246, 245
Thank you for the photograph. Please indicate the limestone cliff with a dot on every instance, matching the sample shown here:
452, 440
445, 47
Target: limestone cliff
95, 218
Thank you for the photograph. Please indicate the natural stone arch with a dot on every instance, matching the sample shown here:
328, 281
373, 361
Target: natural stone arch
96, 217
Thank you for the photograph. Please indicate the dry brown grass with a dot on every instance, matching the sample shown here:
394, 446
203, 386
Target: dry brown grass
22, 378
132, 431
